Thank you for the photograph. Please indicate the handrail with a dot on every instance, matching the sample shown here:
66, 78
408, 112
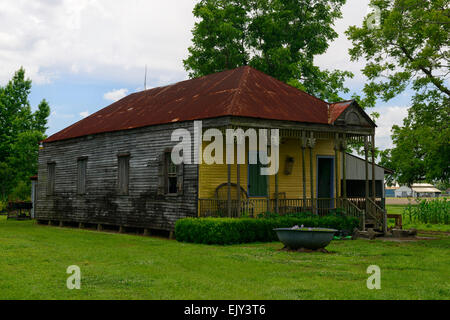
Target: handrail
353, 209
378, 213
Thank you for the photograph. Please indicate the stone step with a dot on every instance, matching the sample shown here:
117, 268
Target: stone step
369, 234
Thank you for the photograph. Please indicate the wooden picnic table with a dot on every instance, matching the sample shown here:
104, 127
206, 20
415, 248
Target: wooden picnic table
398, 220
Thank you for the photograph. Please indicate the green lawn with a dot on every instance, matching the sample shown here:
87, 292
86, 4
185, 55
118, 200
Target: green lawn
34, 259
398, 209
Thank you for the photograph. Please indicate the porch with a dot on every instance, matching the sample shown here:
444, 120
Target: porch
369, 212
316, 175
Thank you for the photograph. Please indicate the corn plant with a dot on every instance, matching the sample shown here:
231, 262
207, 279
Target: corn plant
429, 211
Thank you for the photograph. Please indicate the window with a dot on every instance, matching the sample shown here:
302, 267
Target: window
170, 175
257, 183
51, 176
124, 172
81, 175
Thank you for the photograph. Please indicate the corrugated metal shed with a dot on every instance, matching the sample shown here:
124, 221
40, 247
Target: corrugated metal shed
243, 92
358, 169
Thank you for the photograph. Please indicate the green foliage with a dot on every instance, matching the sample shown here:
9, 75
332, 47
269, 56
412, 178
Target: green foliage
20, 133
410, 50
279, 38
21, 192
429, 211
227, 231
422, 147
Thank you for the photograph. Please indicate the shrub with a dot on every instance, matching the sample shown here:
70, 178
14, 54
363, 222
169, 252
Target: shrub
430, 211
234, 231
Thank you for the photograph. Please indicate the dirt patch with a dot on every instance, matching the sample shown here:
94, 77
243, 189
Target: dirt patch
438, 233
399, 201
410, 239
304, 250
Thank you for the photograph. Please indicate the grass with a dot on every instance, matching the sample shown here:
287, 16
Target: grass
34, 259
407, 224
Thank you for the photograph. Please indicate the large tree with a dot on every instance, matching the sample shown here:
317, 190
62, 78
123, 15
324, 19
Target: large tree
20, 133
278, 37
409, 50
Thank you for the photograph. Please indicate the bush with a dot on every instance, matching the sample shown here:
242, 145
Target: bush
430, 211
234, 231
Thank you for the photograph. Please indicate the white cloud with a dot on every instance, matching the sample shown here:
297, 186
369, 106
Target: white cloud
58, 115
337, 56
389, 116
115, 95
84, 114
111, 40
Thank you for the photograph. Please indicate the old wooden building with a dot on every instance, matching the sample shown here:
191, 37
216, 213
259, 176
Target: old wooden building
113, 168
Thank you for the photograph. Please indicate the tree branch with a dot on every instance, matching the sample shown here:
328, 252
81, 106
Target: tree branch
427, 72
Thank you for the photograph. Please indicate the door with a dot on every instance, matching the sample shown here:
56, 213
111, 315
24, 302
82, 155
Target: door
325, 182
257, 183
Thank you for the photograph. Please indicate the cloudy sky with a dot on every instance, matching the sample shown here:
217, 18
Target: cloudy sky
83, 54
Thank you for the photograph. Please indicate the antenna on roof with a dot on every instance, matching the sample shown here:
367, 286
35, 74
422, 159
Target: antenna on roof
145, 78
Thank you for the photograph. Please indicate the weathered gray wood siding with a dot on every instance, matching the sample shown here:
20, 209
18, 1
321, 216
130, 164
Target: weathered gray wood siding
102, 202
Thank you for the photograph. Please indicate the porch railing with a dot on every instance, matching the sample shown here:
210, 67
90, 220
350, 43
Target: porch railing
254, 207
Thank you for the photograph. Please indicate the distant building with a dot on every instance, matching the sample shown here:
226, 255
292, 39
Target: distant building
418, 190
390, 192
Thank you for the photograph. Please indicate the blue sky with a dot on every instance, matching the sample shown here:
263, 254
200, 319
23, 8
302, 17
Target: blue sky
82, 55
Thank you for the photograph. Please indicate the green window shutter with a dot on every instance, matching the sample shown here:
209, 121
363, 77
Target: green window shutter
257, 183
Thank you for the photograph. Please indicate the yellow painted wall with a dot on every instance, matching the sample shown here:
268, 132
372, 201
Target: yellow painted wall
211, 176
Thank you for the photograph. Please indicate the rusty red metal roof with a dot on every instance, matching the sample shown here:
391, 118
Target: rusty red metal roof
336, 109
243, 92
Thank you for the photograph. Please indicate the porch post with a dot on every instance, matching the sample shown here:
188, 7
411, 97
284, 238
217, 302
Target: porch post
276, 194
229, 191
268, 189
238, 192
344, 167
311, 145
336, 169
366, 159
374, 192
304, 146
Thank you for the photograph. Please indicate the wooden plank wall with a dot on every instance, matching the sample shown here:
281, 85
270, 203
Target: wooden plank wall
102, 203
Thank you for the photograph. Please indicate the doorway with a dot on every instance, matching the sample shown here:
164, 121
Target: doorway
325, 182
